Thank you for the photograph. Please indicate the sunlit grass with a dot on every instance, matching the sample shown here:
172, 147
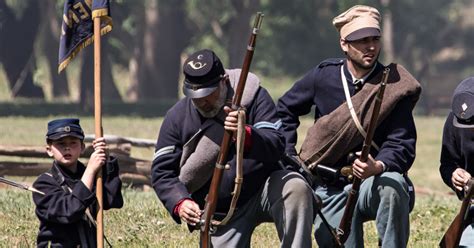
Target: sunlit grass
276, 86
5, 93
143, 222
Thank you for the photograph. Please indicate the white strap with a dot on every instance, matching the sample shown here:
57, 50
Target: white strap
351, 108
239, 171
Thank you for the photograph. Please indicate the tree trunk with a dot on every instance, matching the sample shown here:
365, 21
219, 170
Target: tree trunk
108, 88
238, 30
131, 40
387, 32
86, 79
172, 39
50, 43
165, 37
147, 87
17, 49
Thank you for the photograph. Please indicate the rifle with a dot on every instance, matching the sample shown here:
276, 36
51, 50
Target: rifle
452, 236
345, 225
211, 198
20, 186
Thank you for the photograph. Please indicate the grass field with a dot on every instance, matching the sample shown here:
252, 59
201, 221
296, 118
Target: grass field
143, 222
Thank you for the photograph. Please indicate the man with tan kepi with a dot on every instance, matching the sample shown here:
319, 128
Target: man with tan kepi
385, 193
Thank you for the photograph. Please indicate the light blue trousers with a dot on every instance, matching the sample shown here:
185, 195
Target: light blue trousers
285, 199
383, 198
467, 238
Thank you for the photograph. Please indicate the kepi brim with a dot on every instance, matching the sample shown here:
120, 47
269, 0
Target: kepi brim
58, 136
363, 33
458, 124
200, 92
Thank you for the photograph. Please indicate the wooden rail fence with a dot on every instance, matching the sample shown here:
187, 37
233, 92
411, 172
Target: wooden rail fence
132, 170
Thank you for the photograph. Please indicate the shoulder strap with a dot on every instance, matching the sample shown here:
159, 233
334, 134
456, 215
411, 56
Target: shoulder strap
59, 177
331, 61
351, 108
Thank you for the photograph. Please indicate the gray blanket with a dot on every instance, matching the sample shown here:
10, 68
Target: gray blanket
200, 152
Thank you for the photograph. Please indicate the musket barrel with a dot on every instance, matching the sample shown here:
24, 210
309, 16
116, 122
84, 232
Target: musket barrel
247, 61
20, 186
452, 236
346, 221
211, 199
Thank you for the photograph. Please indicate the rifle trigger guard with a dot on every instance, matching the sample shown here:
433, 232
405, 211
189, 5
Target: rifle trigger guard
339, 231
212, 229
346, 171
242, 108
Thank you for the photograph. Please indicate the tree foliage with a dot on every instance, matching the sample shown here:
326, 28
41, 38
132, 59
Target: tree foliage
151, 37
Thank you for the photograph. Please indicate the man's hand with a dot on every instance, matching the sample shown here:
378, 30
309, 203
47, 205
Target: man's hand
189, 212
231, 120
367, 169
459, 178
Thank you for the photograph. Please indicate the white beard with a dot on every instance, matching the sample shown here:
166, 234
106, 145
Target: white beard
218, 105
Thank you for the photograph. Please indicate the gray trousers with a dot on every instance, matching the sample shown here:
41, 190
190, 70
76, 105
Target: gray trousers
285, 199
467, 238
383, 198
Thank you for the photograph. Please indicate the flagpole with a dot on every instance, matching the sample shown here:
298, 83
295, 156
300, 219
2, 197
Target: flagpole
98, 129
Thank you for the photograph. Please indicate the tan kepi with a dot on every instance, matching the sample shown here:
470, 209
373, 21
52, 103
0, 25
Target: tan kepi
358, 22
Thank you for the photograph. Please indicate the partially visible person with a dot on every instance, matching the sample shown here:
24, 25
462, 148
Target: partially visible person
457, 150
188, 145
69, 201
328, 88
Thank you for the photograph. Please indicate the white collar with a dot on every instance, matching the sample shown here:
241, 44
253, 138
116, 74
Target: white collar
361, 80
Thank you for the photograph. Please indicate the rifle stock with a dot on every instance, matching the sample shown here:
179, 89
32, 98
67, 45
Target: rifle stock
211, 198
345, 225
452, 236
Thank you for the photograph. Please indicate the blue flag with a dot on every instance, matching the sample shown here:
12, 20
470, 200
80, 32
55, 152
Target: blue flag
77, 29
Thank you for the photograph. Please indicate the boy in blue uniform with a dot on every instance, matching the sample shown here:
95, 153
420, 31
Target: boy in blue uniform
187, 149
329, 87
65, 210
457, 151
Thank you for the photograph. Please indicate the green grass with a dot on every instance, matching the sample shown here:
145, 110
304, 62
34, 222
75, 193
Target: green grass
143, 222
276, 86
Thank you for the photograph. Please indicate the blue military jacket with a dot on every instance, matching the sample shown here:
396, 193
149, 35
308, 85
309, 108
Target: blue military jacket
61, 212
182, 121
457, 150
322, 89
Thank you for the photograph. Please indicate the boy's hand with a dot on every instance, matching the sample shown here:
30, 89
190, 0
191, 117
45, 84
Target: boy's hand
96, 161
98, 157
99, 143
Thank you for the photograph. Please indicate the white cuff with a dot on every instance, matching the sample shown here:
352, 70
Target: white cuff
384, 167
